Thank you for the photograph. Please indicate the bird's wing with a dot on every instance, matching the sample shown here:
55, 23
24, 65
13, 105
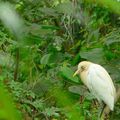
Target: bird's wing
101, 85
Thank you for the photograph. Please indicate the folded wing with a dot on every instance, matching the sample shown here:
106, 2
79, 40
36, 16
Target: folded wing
101, 85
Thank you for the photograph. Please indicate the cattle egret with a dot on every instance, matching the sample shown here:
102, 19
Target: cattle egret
98, 81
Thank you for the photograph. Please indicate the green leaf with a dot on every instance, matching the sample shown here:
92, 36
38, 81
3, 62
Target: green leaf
40, 30
81, 90
52, 111
112, 38
68, 74
113, 68
48, 11
66, 8
68, 103
6, 59
111, 41
94, 55
76, 59
7, 107
112, 5
45, 59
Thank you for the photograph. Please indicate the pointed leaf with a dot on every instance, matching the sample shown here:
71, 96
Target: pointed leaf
68, 74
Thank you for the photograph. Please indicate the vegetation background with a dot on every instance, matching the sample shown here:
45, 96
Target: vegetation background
41, 43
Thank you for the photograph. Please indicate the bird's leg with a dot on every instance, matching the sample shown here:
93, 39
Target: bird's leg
105, 113
81, 99
95, 103
100, 110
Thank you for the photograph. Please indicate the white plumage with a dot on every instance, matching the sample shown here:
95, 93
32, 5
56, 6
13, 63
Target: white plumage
98, 81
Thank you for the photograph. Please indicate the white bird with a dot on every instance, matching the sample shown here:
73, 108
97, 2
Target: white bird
98, 81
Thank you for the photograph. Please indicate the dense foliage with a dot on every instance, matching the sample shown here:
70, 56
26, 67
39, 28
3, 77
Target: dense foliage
40, 50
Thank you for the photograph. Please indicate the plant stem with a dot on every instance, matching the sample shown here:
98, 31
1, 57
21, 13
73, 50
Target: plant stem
17, 64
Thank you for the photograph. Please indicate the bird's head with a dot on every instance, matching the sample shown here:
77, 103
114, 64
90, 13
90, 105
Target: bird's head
82, 66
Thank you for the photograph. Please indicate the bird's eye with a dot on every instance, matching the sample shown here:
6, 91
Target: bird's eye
82, 68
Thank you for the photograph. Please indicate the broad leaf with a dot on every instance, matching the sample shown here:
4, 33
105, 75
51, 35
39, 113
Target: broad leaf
45, 59
48, 11
94, 55
66, 8
68, 74
114, 69
81, 90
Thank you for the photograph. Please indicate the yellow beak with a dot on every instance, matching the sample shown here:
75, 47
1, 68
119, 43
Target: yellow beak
75, 73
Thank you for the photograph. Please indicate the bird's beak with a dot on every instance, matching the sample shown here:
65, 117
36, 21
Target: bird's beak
76, 73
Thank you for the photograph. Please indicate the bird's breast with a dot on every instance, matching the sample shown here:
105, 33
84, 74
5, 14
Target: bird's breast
84, 77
